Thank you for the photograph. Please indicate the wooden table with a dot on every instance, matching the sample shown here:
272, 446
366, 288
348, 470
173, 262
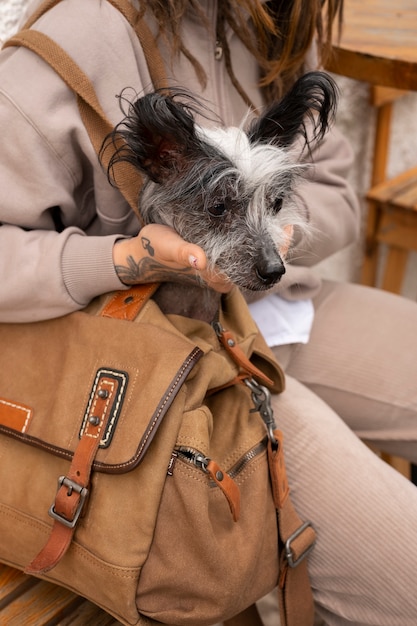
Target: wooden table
378, 43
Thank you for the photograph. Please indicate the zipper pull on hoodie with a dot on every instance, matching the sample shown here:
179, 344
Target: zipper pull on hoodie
218, 51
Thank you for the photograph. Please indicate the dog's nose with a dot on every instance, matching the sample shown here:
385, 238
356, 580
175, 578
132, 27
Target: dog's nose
270, 272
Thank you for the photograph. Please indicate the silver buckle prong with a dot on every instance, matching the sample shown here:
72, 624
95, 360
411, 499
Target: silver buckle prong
63, 481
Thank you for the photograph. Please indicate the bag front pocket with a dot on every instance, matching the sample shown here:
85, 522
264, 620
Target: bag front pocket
197, 543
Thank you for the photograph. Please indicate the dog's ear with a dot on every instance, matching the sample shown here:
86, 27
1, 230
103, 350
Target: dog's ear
159, 136
313, 98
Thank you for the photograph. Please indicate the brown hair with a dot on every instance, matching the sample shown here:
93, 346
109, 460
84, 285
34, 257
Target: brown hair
278, 34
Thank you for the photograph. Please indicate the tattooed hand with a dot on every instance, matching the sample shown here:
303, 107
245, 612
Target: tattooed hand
159, 254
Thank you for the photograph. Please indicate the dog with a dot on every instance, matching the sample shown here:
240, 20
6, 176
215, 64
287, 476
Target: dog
225, 189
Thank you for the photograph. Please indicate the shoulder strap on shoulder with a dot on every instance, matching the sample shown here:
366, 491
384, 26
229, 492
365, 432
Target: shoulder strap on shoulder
135, 18
92, 114
95, 120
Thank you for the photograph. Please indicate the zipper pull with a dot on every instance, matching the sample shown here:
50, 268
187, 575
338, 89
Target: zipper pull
228, 487
171, 464
218, 51
225, 482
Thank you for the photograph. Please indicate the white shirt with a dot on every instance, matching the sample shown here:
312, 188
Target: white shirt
283, 321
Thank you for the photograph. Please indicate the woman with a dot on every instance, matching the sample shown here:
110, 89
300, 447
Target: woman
67, 235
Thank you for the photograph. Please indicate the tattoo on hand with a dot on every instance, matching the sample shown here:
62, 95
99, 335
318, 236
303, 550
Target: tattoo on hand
147, 246
149, 271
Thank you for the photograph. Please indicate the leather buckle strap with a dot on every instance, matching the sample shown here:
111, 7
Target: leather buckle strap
298, 538
235, 351
73, 489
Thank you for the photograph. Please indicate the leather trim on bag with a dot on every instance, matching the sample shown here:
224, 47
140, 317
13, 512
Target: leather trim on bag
15, 415
145, 438
156, 418
111, 385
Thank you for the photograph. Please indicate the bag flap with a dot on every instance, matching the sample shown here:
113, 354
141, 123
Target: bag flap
51, 370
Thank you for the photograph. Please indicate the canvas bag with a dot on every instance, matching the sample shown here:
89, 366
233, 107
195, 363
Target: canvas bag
120, 400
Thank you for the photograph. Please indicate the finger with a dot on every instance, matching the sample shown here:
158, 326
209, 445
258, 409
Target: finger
169, 247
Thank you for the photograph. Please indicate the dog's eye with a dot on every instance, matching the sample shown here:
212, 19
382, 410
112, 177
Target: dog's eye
217, 210
277, 205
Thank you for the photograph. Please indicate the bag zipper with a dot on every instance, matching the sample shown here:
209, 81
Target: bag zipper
224, 480
247, 458
200, 461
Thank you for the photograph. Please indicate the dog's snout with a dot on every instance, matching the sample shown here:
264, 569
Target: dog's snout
270, 272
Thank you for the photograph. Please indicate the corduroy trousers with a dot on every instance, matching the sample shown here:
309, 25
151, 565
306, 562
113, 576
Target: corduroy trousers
355, 379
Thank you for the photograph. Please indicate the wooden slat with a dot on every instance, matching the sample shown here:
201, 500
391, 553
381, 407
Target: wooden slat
391, 191
398, 229
87, 614
42, 604
385, 95
13, 584
28, 601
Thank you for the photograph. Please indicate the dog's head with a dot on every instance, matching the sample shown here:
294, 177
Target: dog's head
227, 190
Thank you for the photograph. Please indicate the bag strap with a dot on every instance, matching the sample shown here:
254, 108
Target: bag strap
298, 539
135, 18
94, 118
73, 489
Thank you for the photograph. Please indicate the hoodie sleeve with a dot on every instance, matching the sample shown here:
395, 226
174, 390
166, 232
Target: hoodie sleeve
45, 273
48, 167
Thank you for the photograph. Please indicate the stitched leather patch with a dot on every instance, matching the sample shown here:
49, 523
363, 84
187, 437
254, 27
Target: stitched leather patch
125, 305
106, 399
15, 415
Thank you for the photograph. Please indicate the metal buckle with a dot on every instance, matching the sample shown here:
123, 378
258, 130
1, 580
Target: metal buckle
261, 398
288, 550
72, 486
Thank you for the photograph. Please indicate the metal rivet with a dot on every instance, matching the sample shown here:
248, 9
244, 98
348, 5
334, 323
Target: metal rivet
219, 475
230, 343
94, 420
103, 393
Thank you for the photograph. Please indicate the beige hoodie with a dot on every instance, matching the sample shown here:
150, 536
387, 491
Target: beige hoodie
46, 161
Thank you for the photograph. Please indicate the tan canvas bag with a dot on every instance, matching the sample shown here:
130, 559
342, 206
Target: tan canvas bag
139, 463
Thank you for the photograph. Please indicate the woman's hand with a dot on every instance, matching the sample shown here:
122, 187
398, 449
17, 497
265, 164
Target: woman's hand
159, 254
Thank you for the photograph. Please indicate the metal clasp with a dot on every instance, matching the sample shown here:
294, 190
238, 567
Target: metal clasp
261, 398
288, 550
63, 481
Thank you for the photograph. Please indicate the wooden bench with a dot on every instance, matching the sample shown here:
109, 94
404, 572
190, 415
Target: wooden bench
33, 602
